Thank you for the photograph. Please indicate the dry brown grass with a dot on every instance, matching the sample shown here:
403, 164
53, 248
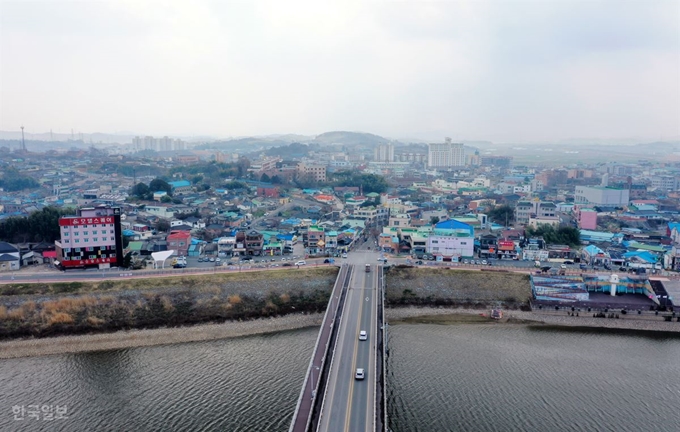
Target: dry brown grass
234, 299
3, 312
95, 321
270, 307
167, 304
285, 298
17, 314
68, 304
60, 318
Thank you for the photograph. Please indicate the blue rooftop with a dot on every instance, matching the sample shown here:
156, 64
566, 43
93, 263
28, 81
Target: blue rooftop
179, 183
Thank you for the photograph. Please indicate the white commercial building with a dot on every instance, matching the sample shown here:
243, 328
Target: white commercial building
599, 195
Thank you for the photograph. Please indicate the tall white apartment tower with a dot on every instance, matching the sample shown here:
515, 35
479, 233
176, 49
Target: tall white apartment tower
384, 153
445, 155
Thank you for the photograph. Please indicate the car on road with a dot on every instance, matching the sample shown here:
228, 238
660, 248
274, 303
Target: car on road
246, 258
485, 262
582, 266
287, 264
568, 262
466, 261
563, 266
212, 259
344, 255
301, 262
200, 259
359, 374
363, 335
419, 262
218, 259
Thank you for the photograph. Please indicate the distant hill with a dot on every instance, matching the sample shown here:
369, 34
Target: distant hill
351, 138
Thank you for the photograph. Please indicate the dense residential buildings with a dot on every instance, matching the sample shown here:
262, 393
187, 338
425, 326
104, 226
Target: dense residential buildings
445, 155
92, 237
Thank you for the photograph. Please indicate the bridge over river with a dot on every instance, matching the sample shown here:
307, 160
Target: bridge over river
332, 398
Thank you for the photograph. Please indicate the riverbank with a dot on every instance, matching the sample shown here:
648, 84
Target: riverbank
440, 315
160, 336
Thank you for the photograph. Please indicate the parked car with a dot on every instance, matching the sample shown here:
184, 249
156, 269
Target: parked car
419, 262
217, 259
326, 261
485, 262
212, 259
301, 262
568, 262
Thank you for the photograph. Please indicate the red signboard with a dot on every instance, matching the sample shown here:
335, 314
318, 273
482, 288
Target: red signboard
506, 245
85, 221
86, 262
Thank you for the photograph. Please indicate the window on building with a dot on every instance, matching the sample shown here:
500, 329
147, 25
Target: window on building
77, 241
95, 239
86, 232
76, 233
94, 232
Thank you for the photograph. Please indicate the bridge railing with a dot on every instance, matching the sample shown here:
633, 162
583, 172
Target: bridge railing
329, 317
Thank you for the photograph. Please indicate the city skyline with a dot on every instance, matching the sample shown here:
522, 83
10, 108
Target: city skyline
497, 71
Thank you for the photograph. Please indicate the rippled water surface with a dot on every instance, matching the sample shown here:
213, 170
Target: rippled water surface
520, 378
441, 378
242, 384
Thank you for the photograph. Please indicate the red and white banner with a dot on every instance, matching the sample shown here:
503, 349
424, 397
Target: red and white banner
85, 221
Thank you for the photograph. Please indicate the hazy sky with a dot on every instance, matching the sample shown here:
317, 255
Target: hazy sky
498, 70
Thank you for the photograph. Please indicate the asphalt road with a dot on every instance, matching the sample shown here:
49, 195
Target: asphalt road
349, 404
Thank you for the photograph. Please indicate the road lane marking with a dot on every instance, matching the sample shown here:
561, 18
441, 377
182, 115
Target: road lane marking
354, 366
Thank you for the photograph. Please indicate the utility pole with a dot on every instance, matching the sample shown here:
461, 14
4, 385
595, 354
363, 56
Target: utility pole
23, 143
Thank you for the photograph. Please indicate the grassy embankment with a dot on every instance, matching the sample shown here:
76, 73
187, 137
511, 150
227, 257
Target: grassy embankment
49, 309
458, 288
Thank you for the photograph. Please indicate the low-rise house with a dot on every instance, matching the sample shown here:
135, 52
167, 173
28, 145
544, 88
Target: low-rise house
179, 241
593, 255
9, 257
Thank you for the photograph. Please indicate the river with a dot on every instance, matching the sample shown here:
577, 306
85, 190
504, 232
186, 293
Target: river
469, 377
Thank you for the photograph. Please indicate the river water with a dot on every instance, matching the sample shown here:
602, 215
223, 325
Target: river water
467, 377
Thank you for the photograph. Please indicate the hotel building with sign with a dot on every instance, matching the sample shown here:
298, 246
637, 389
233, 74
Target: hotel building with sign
92, 237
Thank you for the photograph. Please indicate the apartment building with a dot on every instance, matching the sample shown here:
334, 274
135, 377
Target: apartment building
601, 195
311, 171
445, 155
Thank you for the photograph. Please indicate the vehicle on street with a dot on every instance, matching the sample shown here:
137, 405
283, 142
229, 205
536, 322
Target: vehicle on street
212, 259
326, 261
200, 259
363, 335
344, 255
218, 259
485, 262
301, 262
496, 314
568, 262
368, 268
419, 262
466, 261
582, 266
287, 264
564, 266
359, 374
